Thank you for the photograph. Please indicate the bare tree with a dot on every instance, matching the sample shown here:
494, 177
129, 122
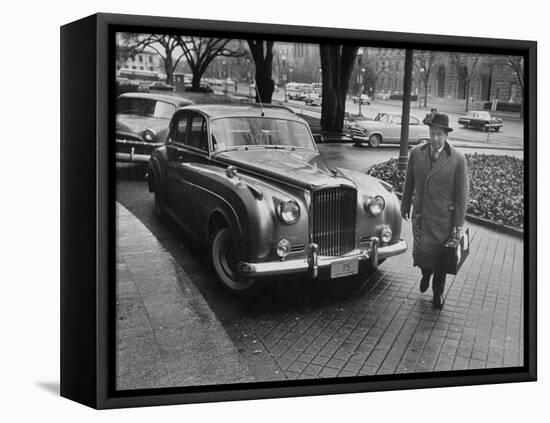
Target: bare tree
425, 62
373, 72
201, 51
165, 46
337, 65
262, 53
467, 67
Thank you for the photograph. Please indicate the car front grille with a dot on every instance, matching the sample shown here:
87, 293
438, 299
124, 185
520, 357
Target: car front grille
333, 212
356, 132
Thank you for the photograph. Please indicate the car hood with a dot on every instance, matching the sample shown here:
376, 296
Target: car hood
305, 169
137, 124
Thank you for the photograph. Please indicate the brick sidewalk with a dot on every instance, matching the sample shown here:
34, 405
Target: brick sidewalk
390, 327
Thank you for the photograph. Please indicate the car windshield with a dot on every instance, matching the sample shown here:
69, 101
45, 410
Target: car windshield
252, 131
484, 115
382, 117
145, 107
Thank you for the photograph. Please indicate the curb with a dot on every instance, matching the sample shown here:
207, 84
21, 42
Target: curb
509, 230
167, 334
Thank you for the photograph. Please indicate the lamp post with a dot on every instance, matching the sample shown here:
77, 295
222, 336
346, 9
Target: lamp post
420, 80
248, 77
284, 77
224, 68
360, 78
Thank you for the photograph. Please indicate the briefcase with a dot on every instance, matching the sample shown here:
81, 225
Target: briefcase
455, 252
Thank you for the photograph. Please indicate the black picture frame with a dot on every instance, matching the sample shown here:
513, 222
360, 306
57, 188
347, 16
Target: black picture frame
88, 215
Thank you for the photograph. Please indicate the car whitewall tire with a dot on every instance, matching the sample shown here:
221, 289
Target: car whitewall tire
225, 261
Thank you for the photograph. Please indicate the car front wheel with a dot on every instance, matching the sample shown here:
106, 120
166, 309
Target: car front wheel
375, 141
225, 261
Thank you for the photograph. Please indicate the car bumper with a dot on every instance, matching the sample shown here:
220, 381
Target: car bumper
313, 263
135, 151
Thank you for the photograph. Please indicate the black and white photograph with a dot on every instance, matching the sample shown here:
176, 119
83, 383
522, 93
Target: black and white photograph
290, 210
275, 211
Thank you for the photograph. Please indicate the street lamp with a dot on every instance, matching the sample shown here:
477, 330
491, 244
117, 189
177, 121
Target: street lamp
225, 81
360, 78
284, 77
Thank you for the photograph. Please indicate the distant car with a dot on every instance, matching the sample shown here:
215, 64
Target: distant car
298, 91
313, 99
364, 99
481, 120
386, 129
142, 123
248, 183
161, 86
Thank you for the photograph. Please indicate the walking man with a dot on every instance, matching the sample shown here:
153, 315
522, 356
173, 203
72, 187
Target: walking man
436, 186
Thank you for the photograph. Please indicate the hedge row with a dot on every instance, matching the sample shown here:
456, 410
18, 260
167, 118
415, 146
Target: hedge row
504, 107
496, 186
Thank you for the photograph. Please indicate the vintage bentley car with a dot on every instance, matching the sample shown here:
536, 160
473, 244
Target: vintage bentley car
249, 183
480, 120
386, 128
142, 123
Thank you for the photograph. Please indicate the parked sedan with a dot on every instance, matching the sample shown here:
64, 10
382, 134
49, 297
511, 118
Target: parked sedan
142, 123
249, 183
481, 120
161, 86
386, 128
363, 99
313, 99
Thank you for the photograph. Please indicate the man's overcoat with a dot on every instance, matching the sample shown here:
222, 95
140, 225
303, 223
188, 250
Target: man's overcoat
439, 196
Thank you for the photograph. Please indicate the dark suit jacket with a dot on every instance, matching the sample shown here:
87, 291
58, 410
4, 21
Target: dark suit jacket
439, 196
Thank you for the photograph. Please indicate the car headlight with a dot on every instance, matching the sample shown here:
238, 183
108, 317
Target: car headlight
149, 135
375, 205
288, 211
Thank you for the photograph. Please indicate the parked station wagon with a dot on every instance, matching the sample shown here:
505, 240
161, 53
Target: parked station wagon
142, 123
248, 182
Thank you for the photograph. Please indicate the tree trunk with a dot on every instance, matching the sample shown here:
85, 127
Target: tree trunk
337, 65
168, 69
426, 90
263, 59
196, 81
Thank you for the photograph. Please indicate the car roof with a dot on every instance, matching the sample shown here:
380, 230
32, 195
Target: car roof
159, 97
240, 110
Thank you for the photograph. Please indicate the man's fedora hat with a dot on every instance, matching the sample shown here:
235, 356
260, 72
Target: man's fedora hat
440, 120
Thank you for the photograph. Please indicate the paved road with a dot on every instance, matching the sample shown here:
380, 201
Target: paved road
511, 134
299, 328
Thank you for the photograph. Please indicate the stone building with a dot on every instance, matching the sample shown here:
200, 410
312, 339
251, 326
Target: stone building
489, 77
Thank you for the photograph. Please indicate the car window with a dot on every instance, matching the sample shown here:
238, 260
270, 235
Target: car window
252, 131
413, 120
382, 117
145, 107
197, 133
396, 120
180, 129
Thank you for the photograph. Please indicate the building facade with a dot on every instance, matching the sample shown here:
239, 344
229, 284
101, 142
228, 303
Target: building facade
488, 76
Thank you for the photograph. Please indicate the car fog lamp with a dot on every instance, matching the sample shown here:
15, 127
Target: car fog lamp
376, 205
288, 211
283, 248
386, 234
148, 135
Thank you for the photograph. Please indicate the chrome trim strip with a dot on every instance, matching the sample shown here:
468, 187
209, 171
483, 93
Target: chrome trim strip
129, 157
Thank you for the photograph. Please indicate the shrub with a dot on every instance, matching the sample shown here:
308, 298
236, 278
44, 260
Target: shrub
496, 186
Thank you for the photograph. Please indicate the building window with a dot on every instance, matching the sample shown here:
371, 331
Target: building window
151, 68
150, 59
133, 67
141, 68
140, 58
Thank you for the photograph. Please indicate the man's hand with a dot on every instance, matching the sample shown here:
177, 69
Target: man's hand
405, 214
457, 232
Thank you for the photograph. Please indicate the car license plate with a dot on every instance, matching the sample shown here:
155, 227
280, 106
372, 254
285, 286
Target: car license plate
344, 268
